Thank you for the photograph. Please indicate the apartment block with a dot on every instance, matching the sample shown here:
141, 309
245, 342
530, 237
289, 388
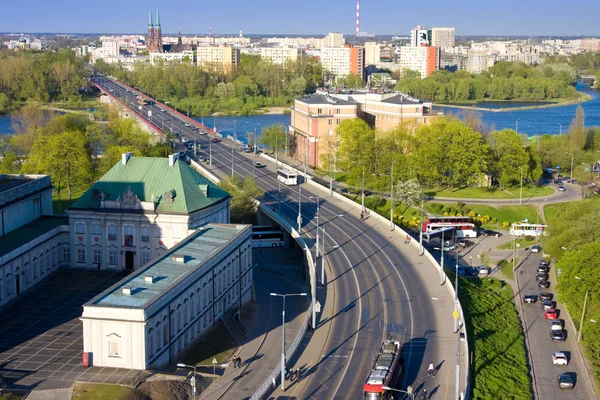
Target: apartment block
217, 57
334, 39
424, 59
420, 36
279, 55
342, 61
179, 57
442, 37
479, 62
372, 53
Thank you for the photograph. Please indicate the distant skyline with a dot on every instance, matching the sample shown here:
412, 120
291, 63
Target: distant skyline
383, 17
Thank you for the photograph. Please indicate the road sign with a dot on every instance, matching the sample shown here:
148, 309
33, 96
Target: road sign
214, 361
455, 314
317, 307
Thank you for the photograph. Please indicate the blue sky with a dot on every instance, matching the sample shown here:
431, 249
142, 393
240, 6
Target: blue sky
470, 17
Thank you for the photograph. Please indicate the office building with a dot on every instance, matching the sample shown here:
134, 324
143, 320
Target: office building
372, 53
151, 316
442, 37
334, 39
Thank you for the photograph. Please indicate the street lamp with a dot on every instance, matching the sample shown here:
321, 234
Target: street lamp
572, 159
521, 190
411, 394
392, 226
421, 233
283, 334
299, 210
317, 243
193, 379
210, 154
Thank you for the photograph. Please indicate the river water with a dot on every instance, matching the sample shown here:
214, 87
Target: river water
532, 122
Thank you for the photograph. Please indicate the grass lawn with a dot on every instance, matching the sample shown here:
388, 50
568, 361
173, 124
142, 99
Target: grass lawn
486, 193
217, 344
524, 242
506, 267
504, 214
61, 201
101, 391
496, 340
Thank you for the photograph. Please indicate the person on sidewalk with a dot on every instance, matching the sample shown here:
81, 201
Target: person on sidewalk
430, 370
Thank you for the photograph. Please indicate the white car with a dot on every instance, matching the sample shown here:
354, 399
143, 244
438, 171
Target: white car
556, 325
559, 358
483, 270
561, 189
535, 249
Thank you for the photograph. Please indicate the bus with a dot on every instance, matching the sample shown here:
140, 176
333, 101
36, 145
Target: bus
142, 101
287, 177
385, 372
464, 226
267, 236
525, 229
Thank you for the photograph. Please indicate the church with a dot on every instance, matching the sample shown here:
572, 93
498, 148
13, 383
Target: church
154, 43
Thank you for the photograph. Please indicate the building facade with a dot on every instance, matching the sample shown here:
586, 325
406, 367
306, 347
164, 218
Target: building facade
334, 39
154, 42
138, 210
222, 57
279, 55
372, 53
420, 36
147, 319
423, 59
186, 56
33, 242
342, 61
442, 37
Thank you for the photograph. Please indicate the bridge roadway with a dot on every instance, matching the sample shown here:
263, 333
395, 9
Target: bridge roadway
377, 284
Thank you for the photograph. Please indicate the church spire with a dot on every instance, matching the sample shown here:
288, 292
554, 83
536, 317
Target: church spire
157, 18
150, 20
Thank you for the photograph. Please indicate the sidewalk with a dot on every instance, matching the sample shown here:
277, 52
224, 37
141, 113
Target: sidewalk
260, 353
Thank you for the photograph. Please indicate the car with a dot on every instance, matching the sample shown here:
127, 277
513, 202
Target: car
483, 270
557, 335
544, 284
556, 324
562, 189
547, 304
162, 110
245, 150
182, 154
535, 249
472, 271
529, 298
544, 263
449, 247
546, 296
566, 381
543, 270
256, 164
187, 124
201, 158
550, 314
489, 232
559, 358
183, 139
540, 276
111, 90
214, 140
464, 243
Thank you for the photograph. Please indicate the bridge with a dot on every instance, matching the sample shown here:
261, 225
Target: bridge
374, 284
588, 79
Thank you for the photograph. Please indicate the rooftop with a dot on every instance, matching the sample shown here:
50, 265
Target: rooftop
26, 233
176, 189
8, 182
323, 99
401, 99
196, 249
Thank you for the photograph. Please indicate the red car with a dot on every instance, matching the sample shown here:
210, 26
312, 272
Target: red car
214, 140
550, 314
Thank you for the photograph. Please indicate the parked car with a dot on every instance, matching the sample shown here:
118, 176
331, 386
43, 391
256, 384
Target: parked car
543, 270
544, 284
566, 381
550, 314
535, 249
472, 271
214, 140
546, 296
557, 335
556, 324
547, 304
483, 270
529, 298
559, 358
201, 158
540, 276
464, 243
544, 263
245, 150
562, 189
187, 124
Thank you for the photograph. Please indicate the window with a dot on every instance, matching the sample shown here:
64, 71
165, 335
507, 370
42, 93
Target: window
96, 230
97, 257
338, 111
129, 236
185, 313
112, 257
145, 258
157, 339
114, 346
80, 255
145, 234
329, 111
338, 121
66, 254
319, 111
112, 232
80, 227
330, 122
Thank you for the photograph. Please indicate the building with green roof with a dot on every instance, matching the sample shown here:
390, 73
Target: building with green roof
139, 209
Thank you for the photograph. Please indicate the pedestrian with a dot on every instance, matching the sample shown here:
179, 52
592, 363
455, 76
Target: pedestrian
239, 362
293, 375
285, 373
409, 391
362, 216
299, 372
430, 370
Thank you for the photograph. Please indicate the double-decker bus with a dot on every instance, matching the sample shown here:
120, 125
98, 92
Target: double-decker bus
287, 177
385, 373
525, 229
267, 236
464, 226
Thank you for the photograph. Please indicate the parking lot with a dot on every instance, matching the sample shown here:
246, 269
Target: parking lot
540, 344
41, 341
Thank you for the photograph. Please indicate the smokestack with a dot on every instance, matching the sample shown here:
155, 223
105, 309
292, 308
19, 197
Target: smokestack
357, 16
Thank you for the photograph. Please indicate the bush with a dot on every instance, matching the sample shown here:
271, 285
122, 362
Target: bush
460, 205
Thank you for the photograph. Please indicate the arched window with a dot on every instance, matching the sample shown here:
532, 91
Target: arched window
112, 232
96, 229
128, 235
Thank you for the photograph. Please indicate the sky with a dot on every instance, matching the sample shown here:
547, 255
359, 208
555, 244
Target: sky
384, 17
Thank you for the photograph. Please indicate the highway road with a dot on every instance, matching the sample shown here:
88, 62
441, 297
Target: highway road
541, 346
378, 285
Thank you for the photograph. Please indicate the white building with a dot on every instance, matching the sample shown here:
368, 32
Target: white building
372, 53
419, 36
279, 55
313, 43
110, 48
442, 37
334, 39
424, 59
217, 57
177, 57
342, 61
479, 62
33, 242
138, 210
151, 316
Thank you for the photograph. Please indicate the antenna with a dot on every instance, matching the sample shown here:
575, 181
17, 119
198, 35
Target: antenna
357, 16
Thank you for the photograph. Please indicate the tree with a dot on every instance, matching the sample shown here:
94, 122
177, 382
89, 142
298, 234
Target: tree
508, 154
356, 152
273, 137
408, 192
244, 194
577, 131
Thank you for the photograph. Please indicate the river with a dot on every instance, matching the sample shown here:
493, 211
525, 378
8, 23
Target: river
532, 122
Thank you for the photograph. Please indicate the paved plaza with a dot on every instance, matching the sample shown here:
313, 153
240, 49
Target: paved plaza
41, 335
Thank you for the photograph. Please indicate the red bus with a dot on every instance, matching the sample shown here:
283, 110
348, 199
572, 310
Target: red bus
464, 226
385, 372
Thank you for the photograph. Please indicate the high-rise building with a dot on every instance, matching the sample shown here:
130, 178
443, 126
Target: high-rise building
279, 55
154, 43
334, 39
372, 53
221, 58
342, 61
424, 59
442, 37
420, 36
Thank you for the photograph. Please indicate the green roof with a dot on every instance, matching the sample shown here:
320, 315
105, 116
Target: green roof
19, 237
150, 179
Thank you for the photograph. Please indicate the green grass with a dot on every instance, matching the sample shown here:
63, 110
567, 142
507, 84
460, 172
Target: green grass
524, 243
506, 267
11, 396
502, 214
217, 344
496, 341
338, 176
101, 391
60, 202
487, 193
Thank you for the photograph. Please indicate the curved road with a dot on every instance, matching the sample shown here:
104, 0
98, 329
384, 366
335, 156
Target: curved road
377, 284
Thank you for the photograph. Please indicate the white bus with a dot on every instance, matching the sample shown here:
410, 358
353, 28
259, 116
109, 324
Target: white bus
525, 229
267, 236
287, 177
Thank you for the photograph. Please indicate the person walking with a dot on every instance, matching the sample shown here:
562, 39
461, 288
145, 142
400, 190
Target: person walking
430, 370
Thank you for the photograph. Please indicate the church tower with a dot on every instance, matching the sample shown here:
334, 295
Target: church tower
158, 34
150, 34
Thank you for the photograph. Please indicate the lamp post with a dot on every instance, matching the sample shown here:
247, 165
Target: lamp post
392, 226
283, 334
232, 162
317, 243
421, 233
442, 275
363, 190
572, 159
299, 209
210, 154
330, 175
279, 196
254, 142
456, 297
193, 380
410, 394
521, 190
276, 152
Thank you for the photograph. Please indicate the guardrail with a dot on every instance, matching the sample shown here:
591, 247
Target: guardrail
414, 243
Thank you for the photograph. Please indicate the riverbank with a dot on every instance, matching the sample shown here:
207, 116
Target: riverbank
583, 97
260, 111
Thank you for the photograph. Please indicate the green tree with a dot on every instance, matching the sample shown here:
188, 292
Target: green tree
577, 131
244, 194
508, 154
408, 192
273, 137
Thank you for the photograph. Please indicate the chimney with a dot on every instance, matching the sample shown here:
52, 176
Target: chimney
172, 158
149, 279
125, 157
127, 291
178, 258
